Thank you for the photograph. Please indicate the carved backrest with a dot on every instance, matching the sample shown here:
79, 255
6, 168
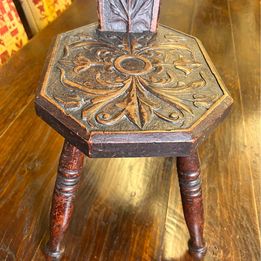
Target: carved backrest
133, 16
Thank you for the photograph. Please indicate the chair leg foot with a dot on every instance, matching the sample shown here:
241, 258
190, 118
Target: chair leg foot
190, 188
196, 251
54, 254
69, 170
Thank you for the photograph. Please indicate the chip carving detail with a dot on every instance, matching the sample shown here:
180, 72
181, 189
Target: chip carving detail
132, 81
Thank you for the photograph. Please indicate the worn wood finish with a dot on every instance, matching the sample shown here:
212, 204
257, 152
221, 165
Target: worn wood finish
190, 188
139, 95
131, 95
30, 152
66, 185
117, 82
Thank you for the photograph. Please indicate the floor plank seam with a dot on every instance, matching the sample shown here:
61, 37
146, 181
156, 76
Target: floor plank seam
17, 116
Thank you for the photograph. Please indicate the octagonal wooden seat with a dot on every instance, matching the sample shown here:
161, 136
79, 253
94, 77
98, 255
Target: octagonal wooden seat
119, 89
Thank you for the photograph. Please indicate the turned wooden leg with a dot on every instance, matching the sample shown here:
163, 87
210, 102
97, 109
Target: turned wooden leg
70, 166
190, 188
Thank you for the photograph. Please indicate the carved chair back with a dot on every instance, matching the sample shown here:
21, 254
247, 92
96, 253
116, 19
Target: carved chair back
131, 16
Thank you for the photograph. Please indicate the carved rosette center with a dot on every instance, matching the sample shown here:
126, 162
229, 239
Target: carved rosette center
133, 65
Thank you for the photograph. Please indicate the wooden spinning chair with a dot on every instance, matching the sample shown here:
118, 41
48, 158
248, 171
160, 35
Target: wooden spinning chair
126, 87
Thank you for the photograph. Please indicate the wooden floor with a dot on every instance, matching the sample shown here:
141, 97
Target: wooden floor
130, 209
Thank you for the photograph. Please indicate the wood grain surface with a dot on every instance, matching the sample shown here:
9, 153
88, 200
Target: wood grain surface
130, 209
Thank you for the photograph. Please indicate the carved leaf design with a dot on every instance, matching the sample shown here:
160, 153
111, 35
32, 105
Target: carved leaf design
82, 64
69, 101
119, 8
141, 9
143, 86
132, 108
185, 65
131, 11
201, 100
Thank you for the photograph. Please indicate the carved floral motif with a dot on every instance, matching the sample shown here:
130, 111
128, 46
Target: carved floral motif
111, 77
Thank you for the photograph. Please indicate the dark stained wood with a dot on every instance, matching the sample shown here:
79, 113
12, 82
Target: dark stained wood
66, 185
153, 95
135, 90
190, 187
230, 170
128, 16
115, 82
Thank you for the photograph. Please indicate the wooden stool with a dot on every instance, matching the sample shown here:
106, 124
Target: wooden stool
119, 89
